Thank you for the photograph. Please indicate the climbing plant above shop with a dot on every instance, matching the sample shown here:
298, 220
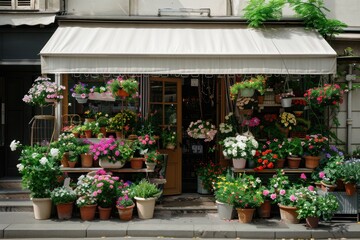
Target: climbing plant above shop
310, 11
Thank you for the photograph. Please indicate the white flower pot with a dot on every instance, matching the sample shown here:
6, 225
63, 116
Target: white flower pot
42, 208
145, 207
225, 211
239, 162
247, 92
286, 102
150, 166
104, 163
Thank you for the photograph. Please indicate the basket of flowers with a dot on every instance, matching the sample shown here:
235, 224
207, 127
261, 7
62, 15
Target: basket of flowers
248, 87
80, 92
123, 88
202, 130
328, 95
44, 91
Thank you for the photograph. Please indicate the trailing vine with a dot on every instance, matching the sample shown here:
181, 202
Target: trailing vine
311, 11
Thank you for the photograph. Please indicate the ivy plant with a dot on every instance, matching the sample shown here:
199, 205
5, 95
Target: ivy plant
310, 11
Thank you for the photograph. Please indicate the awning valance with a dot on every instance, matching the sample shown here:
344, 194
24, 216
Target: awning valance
185, 49
31, 19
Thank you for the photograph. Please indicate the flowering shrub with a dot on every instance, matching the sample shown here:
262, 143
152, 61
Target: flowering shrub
145, 143
315, 144
86, 200
277, 182
124, 120
277, 147
247, 192
83, 186
43, 89
63, 195
107, 148
293, 146
39, 170
266, 160
289, 197
258, 83
208, 172
104, 189
240, 147
80, 90
287, 120
223, 189
328, 95
202, 129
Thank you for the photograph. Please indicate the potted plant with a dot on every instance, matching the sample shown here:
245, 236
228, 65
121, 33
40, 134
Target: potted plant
202, 130
266, 159
240, 149
288, 204
40, 172
125, 206
104, 188
63, 198
248, 87
294, 150
145, 194
107, 153
314, 145
246, 105
328, 95
277, 147
312, 206
87, 205
248, 196
286, 122
122, 123
65, 143
286, 99
298, 106
223, 196
80, 92
331, 172
86, 156
74, 152
43, 92
122, 88
103, 122
151, 159
228, 128
349, 172
206, 172
100, 93
169, 139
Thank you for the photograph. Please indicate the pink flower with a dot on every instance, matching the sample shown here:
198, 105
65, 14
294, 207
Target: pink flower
143, 142
111, 186
293, 198
273, 196
303, 176
282, 192
99, 191
95, 194
266, 192
117, 153
321, 175
99, 185
311, 188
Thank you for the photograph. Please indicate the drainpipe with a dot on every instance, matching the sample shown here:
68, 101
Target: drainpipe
349, 121
58, 109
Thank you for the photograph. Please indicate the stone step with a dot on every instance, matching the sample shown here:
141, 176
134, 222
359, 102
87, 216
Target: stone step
10, 183
16, 206
14, 194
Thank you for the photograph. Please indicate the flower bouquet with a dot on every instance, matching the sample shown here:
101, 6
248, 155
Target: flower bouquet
202, 130
328, 95
80, 92
43, 91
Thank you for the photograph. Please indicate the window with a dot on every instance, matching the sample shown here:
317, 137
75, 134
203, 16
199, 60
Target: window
17, 4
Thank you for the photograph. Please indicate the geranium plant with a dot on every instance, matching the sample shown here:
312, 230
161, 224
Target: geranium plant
145, 143
277, 147
294, 146
315, 144
240, 147
106, 148
267, 159
289, 197
202, 130
124, 201
39, 169
328, 95
41, 90
63, 195
152, 156
130, 86
208, 171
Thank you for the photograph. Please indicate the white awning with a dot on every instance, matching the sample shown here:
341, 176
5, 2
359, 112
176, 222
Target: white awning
31, 19
185, 49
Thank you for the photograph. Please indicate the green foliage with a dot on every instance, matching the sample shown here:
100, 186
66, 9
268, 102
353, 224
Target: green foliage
145, 190
258, 11
63, 195
294, 146
332, 169
247, 192
223, 188
349, 172
208, 172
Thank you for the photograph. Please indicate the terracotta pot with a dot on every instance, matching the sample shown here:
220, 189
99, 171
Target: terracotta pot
126, 213
87, 213
121, 93
104, 213
277, 98
239, 163
119, 135
103, 131
288, 214
65, 160
86, 160
340, 185
72, 164
247, 112
312, 222
261, 99
42, 208
280, 163
312, 162
64, 210
293, 162
264, 210
350, 188
245, 214
132, 137
327, 187
137, 163
318, 184
88, 133
298, 113
284, 131
77, 135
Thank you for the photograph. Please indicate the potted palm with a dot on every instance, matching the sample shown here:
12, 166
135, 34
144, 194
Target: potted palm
40, 172
145, 194
63, 198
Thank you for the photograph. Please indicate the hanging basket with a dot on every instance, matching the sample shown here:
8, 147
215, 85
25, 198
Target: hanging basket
286, 102
247, 92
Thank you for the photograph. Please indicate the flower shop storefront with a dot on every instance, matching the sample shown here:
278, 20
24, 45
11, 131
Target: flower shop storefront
163, 55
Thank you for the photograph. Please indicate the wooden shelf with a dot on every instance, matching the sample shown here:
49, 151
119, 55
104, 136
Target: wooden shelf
118, 170
286, 170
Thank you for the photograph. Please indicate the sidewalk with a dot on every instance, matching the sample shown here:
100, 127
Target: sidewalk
169, 224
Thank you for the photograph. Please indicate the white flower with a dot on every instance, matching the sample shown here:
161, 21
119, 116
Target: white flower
34, 155
20, 167
253, 152
43, 160
14, 144
54, 152
254, 143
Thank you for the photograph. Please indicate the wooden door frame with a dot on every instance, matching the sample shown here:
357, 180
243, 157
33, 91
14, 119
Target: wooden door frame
178, 150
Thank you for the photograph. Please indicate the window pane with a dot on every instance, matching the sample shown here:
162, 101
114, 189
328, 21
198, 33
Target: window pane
156, 91
170, 114
170, 92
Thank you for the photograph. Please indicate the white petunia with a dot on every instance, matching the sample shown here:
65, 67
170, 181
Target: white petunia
14, 144
54, 152
20, 167
43, 160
